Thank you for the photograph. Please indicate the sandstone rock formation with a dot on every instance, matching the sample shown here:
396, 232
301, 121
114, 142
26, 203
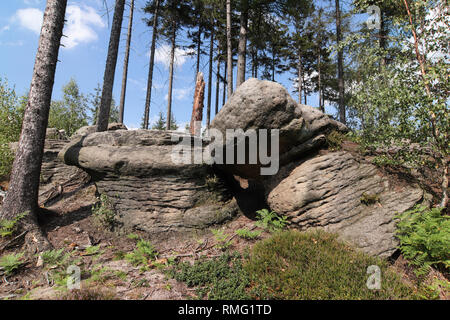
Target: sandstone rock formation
260, 104
84, 131
338, 193
149, 191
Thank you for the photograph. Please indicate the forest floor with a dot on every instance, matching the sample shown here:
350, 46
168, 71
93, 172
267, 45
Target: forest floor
100, 253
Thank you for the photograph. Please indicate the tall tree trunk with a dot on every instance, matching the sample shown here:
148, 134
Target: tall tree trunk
172, 58
125, 64
242, 49
211, 56
199, 48
197, 108
300, 76
319, 70
217, 86
229, 52
224, 97
22, 195
110, 69
382, 41
148, 97
340, 64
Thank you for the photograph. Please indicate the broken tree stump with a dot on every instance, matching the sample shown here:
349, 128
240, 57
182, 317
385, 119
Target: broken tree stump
197, 108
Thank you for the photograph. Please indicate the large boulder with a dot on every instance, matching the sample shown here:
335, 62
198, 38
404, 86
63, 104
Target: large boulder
148, 190
339, 193
258, 104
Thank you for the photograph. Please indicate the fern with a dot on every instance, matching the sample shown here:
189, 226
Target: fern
424, 236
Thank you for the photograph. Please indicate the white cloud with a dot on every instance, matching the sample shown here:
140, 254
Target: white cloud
78, 28
29, 18
162, 55
180, 94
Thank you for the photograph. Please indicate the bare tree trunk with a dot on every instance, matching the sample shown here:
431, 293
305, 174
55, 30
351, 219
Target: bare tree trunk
211, 56
110, 69
125, 64
197, 108
23, 190
148, 97
172, 58
242, 49
224, 97
340, 63
319, 70
217, 86
300, 76
229, 52
199, 48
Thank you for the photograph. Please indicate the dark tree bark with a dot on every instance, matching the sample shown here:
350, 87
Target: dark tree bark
229, 52
172, 58
224, 96
148, 97
217, 86
300, 76
23, 190
110, 69
211, 56
242, 49
125, 64
340, 65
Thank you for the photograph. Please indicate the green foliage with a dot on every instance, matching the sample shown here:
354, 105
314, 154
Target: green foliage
11, 262
55, 258
104, 212
142, 255
221, 238
335, 140
221, 278
424, 236
69, 114
248, 234
11, 115
95, 100
10, 227
160, 124
270, 220
314, 265
369, 199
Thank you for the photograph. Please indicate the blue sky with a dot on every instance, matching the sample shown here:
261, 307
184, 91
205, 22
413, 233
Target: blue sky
84, 53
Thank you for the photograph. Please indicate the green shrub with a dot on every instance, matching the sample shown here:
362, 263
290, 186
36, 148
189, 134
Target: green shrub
369, 199
248, 234
104, 212
220, 278
335, 140
142, 254
270, 220
314, 265
9, 227
221, 239
424, 236
11, 262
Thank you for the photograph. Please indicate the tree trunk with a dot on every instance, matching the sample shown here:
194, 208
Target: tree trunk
23, 190
300, 76
242, 49
217, 86
229, 52
125, 64
151, 67
199, 47
110, 69
321, 107
197, 108
340, 64
382, 41
172, 58
211, 56
224, 97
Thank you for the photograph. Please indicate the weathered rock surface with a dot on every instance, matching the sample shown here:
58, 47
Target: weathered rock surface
84, 131
149, 191
260, 104
327, 192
